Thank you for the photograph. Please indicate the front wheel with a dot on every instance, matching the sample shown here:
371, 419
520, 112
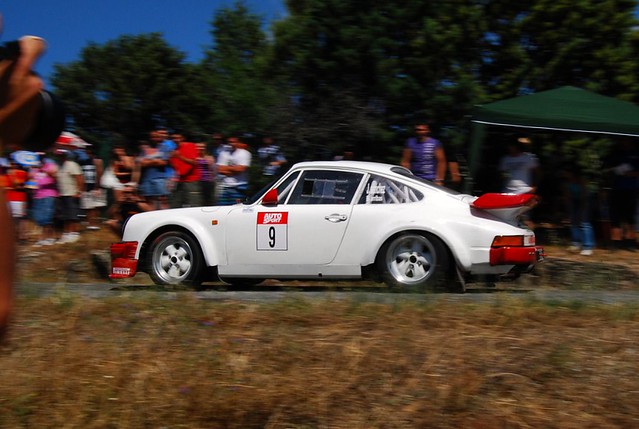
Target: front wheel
175, 258
415, 262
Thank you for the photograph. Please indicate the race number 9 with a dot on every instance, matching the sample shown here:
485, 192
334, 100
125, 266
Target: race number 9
272, 231
271, 237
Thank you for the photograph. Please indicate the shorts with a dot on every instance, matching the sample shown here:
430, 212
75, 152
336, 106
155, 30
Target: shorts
186, 194
18, 209
93, 199
17, 201
44, 211
154, 188
68, 208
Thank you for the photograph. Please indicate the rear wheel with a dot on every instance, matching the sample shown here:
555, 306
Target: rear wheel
413, 261
175, 258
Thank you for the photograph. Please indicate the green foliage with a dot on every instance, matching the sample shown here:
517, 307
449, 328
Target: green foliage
353, 74
126, 86
236, 81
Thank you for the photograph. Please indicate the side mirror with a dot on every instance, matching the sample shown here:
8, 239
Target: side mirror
270, 198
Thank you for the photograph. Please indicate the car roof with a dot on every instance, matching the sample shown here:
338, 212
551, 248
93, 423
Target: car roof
373, 167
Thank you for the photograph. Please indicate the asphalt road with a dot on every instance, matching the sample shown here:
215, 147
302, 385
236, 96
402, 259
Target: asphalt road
311, 292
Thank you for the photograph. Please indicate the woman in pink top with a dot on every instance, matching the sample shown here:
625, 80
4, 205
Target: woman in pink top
44, 199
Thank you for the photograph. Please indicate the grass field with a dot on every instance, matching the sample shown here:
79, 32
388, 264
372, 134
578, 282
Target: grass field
141, 360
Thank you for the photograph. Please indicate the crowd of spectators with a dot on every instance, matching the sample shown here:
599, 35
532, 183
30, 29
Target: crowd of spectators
69, 190
64, 192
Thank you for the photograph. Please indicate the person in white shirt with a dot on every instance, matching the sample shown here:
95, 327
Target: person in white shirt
70, 186
519, 168
233, 172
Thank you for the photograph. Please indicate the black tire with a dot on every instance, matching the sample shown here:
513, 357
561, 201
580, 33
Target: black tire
175, 258
414, 262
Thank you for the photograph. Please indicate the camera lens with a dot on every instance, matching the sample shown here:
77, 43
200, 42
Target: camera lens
49, 123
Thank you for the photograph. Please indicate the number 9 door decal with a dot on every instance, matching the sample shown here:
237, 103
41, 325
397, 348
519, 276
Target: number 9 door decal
272, 231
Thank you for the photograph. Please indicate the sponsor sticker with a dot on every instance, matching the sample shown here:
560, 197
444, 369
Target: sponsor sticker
272, 218
121, 271
272, 231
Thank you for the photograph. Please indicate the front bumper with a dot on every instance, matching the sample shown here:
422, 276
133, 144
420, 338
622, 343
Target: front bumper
522, 255
123, 261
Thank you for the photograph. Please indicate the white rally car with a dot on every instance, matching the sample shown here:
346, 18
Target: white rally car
335, 220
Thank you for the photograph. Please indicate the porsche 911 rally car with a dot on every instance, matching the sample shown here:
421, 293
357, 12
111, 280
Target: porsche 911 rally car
336, 220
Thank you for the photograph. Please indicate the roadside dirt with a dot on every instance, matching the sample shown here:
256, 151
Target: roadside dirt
87, 261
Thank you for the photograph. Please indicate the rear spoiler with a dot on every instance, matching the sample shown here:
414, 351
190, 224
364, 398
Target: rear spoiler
504, 201
507, 207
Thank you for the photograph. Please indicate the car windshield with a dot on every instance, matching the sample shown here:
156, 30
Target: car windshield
259, 194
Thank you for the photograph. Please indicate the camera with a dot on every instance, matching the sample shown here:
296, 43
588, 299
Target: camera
48, 124
49, 121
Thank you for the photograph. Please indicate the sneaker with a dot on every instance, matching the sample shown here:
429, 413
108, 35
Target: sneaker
64, 238
574, 248
69, 237
586, 252
93, 228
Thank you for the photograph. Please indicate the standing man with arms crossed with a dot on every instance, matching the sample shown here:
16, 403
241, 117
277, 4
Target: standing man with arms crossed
425, 156
232, 171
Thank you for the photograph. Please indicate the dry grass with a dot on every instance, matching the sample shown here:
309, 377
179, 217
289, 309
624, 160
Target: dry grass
145, 361
149, 362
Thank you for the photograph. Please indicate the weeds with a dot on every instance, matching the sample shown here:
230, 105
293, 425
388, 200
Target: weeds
152, 362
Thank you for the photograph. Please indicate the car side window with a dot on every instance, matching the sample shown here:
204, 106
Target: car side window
382, 190
325, 187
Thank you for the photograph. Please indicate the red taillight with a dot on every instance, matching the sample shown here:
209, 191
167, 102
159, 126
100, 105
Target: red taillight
508, 240
515, 250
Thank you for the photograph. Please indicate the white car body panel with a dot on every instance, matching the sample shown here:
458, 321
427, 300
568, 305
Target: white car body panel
308, 240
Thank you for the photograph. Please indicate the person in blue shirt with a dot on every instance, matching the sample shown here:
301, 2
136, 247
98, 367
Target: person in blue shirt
152, 165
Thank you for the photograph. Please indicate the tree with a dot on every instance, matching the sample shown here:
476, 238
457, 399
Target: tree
391, 62
234, 75
127, 86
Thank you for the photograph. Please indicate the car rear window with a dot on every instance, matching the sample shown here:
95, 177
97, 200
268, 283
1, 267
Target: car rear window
382, 190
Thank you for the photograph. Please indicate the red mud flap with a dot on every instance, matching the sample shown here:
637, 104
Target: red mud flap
123, 262
528, 255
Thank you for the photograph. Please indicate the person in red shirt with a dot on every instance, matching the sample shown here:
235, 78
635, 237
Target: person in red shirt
16, 195
187, 175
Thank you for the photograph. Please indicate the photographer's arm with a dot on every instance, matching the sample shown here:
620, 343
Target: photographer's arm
19, 106
19, 89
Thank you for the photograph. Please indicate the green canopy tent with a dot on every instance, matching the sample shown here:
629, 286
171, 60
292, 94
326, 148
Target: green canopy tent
563, 109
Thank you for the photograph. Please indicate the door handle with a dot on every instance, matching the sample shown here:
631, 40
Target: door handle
336, 218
